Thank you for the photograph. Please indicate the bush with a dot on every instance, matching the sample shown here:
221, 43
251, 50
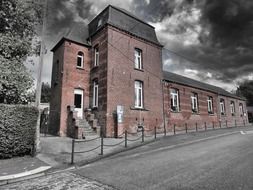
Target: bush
17, 130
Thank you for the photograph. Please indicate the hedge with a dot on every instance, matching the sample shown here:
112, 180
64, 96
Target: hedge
17, 130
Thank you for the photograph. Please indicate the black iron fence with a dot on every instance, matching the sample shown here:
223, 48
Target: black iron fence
128, 137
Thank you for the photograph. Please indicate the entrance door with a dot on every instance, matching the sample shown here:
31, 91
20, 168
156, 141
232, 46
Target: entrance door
78, 102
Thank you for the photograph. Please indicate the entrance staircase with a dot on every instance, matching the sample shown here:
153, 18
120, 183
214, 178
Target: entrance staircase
86, 128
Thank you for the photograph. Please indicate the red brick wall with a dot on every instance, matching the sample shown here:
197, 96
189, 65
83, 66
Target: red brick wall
70, 78
232, 120
185, 114
100, 74
121, 76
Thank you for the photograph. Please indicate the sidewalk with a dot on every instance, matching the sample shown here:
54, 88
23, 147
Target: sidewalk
55, 153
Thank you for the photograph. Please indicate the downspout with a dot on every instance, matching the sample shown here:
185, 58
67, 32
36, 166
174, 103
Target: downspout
164, 125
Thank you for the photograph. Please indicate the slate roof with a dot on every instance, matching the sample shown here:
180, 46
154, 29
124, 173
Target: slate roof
179, 79
77, 33
123, 20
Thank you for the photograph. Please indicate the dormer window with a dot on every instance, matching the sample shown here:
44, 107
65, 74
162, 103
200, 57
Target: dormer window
79, 63
99, 23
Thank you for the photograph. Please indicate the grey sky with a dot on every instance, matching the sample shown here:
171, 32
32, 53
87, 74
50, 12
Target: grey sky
208, 40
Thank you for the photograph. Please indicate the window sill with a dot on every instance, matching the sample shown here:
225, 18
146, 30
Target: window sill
140, 109
80, 68
195, 113
211, 114
142, 70
172, 111
94, 108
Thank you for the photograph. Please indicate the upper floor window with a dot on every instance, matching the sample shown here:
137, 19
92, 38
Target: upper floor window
138, 59
241, 109
232, 108
174, 99
96, 58
95, 93
222, 106
194, 102
138, 90
79, 63
210, 104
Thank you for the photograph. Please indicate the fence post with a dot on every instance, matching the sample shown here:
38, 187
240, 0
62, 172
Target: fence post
213, 125
164, 131
72, 151
244, 123
142, 134
205, 126
125, 138
196, 127
227, 123
186, 130
235, 124
220, 123
155, 132
102, 144
174, 129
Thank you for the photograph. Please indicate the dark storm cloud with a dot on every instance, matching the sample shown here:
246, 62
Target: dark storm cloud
61, 14
230, 21
226, 40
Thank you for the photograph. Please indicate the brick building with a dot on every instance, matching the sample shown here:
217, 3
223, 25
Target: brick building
108, 76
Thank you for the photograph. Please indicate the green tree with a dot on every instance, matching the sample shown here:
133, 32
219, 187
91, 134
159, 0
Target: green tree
245, 89
18, 22
45, 93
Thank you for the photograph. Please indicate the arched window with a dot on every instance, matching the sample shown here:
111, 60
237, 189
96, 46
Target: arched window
79, 63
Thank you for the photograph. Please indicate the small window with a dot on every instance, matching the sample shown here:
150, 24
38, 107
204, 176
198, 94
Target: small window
232, 108
138, 89
57, 72
222, 106
96, 58
79, 63
174, 99
241, 109
138, 59
194, 102
95, 93
210, 104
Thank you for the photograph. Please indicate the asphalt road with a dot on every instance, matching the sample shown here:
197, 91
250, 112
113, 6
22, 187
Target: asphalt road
214, 160
224, 163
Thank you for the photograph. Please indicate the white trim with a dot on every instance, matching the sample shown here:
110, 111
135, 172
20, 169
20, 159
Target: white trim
138, 90
80, 56
79, 110
137, 58
95, 94
96, 58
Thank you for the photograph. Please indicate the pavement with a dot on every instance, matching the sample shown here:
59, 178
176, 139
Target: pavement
55, 152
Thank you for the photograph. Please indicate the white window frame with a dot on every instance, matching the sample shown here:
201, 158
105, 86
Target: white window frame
210, 104
138, 59
96, 56
138, 91
95, 94
80, 56
232, 107
175, 99
222, 107
194, 101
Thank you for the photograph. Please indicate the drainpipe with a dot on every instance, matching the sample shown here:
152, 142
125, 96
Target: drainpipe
164, 125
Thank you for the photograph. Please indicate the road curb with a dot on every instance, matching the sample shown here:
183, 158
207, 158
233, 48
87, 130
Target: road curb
38, 172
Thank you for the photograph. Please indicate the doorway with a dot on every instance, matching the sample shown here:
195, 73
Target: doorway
78, 102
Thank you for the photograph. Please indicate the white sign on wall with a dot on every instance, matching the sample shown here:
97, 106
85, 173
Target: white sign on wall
120, 113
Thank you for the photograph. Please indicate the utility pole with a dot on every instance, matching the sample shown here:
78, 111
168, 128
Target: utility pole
38, 85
